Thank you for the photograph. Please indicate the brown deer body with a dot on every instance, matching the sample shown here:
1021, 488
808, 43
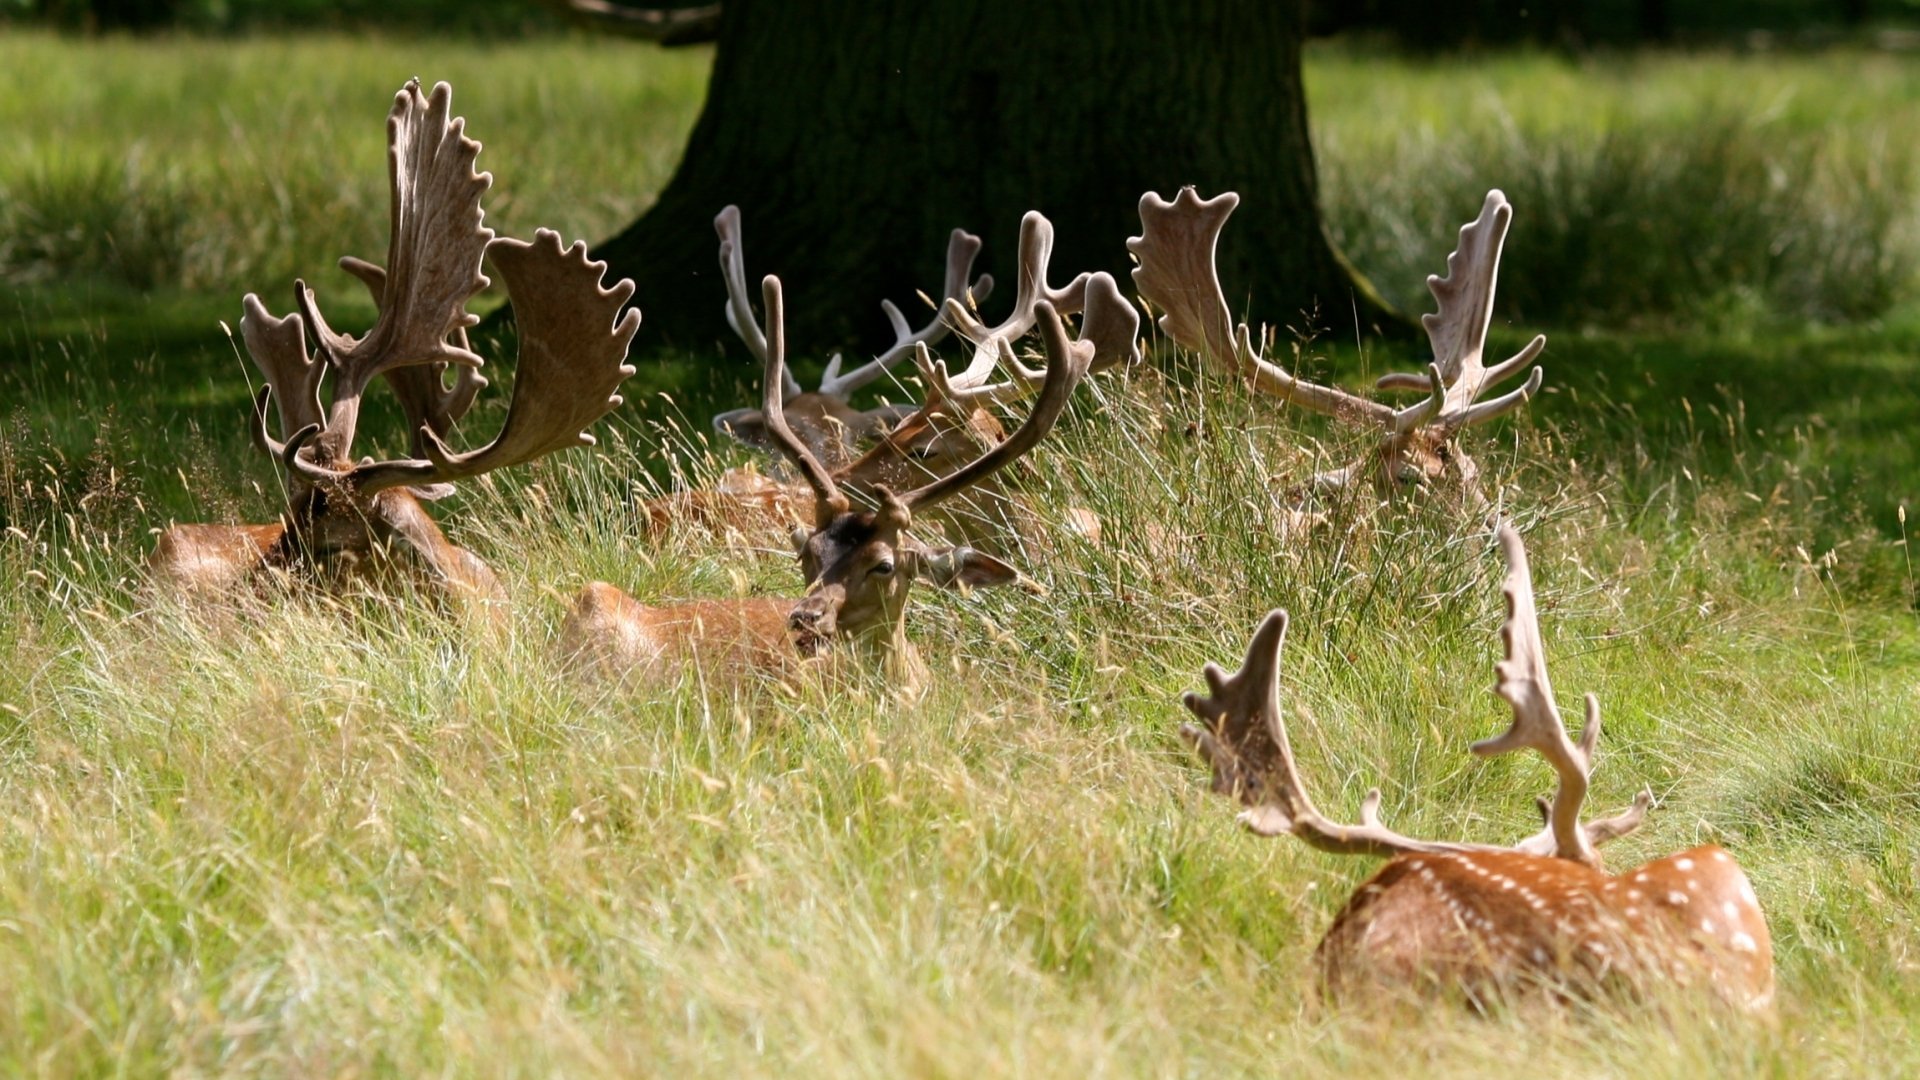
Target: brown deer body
623, 634
1479, 921
1540, 915
1418, 445
859, 564
344, 515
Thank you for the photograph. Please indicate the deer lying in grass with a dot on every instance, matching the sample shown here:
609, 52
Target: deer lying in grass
955, 423
340, 513
1541, 913
1418, 444
825, 419
859, 564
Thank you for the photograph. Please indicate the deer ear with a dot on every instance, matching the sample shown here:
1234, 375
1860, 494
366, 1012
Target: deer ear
431, 492
744, 425
947, 567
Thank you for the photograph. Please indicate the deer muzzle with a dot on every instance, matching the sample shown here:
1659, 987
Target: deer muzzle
815, 619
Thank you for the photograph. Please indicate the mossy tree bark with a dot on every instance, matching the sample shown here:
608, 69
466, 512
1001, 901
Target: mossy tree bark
854, 136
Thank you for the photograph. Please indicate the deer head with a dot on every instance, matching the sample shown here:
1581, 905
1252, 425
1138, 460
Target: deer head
1417, 444
1540, 909
573, 347
824, 418
860, 564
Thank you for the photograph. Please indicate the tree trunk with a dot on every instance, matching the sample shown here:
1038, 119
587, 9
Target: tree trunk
855, 135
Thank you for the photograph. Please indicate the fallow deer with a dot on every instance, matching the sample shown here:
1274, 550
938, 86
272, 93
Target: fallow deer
340, 513
825, 419
859, 564
1419, 444
1542, 913
956, 421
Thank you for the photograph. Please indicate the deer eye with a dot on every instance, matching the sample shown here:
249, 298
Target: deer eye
882, 568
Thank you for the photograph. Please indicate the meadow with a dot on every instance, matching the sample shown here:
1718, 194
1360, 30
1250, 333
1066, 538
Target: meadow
350, 835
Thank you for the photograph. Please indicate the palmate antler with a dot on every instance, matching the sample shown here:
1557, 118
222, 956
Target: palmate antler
1177, 275
1243, 735
1458, 333
573, 337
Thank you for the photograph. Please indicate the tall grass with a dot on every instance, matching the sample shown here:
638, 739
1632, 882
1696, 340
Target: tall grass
320, 834
350, 834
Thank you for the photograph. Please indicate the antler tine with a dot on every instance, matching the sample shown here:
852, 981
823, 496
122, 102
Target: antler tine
828, 500
740, 315
1243, 736
1036, 251
1067, 364
1111, 324
959, 394
1522, 682
574, 338
962, 248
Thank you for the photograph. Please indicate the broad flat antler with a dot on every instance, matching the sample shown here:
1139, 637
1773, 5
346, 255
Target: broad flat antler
1036, 251
1243, 736
1458, 333
434, 251
1110, 324
572, 357
573, 340
279, 349
1177, 274
962, 248
1522, 683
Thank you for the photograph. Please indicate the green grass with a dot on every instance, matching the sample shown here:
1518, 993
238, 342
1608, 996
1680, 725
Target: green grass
351, 836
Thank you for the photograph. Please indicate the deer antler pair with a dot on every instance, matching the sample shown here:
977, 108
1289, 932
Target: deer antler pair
1068, 363
573, 338
1177, 274
962, 248
1243, 735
